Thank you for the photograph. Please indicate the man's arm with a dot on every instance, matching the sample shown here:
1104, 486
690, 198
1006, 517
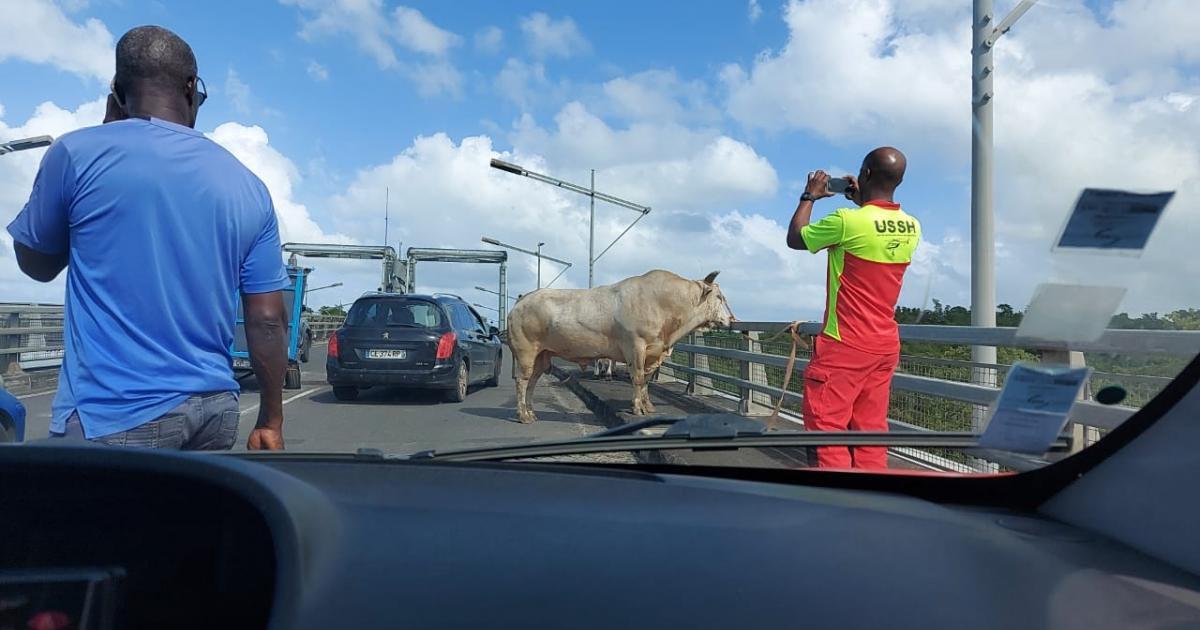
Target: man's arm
266, 339
817, 188
41, 230
263, 278
39, 266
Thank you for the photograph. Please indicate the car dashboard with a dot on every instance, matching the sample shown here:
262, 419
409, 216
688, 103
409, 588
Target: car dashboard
208, 541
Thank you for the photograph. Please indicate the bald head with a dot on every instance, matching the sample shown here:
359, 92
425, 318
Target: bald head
884, 167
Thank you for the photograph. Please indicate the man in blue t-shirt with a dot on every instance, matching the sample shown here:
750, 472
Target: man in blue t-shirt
158, 228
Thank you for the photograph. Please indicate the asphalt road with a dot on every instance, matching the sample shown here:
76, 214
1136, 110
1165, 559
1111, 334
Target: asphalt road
395, 420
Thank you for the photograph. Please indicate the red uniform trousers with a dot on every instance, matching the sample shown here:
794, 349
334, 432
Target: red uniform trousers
848, 389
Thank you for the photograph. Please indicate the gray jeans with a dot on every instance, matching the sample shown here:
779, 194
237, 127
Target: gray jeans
204, 422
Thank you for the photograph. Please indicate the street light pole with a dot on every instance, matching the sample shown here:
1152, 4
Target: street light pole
328, 286
566, 265
25, 144
539, 257
592, 194
487, 290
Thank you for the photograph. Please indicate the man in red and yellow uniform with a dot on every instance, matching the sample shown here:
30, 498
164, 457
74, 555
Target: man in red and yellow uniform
847, 384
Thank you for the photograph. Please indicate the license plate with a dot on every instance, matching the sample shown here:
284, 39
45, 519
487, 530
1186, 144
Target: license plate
241, 363
385, 354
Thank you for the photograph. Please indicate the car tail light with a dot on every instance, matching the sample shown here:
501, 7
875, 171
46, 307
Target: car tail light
333, 346
446, 346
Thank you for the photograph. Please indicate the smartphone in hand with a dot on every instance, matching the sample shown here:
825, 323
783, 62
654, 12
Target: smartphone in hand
838, 185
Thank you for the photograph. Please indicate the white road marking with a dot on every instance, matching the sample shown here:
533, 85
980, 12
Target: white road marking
303, 394
287, 400
24, 396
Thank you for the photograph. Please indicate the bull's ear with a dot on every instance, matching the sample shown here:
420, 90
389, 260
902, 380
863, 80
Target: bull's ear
711, 277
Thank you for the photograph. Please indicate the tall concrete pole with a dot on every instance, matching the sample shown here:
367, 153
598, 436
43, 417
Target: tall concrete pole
983, 258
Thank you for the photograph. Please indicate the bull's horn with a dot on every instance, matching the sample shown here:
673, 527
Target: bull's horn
711, 277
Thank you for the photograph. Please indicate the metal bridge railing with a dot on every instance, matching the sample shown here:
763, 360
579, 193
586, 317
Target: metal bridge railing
324, 325
31, 337
928, 393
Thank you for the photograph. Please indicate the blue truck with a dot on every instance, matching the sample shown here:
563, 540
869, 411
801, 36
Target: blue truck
12, 418
299, 335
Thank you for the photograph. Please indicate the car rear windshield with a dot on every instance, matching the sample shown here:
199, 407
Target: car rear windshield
395, 312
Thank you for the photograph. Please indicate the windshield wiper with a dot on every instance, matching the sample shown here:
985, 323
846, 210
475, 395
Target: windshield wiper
710, 431
399, 325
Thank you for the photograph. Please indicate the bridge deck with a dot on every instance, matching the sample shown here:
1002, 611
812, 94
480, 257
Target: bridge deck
395, 420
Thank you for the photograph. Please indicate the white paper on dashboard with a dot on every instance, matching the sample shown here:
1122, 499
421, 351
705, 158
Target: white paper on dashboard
1069, 313
1033, 407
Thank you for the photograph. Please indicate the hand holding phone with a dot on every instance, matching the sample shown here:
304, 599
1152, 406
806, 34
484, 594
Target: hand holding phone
839, 185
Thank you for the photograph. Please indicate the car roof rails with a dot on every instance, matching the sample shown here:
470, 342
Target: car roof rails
457, 297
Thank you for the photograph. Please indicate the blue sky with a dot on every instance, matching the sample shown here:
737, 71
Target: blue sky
712, 115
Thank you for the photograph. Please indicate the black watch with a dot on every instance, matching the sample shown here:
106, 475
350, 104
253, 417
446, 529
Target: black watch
807, 196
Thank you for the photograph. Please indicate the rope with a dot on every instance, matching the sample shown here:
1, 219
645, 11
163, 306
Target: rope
794, 329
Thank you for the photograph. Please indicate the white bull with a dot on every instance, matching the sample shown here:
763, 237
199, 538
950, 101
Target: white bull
636, 321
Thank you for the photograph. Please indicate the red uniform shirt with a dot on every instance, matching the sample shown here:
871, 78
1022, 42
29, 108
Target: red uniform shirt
869, 250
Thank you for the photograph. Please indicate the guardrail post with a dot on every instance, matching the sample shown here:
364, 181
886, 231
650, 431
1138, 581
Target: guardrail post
1079, 433
751, 403
10, 363
690, 362
702, 385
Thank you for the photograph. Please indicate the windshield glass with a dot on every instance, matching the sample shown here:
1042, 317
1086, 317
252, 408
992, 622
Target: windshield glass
873, 219
394, 313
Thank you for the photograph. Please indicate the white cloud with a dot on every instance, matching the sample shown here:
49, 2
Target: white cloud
237, 91
753, 11
415, 32
317, 71
362, 20
489, 40
378, 35
1063, 122
659, 95
547, 37
521, 82
434, 78
366, 22
251, 146
38, 31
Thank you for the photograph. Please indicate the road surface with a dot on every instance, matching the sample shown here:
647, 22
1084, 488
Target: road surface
395, 420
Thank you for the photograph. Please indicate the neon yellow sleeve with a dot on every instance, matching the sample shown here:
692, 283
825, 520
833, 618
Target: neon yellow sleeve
824, 233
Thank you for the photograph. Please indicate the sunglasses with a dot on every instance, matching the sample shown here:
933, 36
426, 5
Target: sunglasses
201, 92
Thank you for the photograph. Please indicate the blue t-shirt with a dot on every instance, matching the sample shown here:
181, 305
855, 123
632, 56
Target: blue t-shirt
162, 227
